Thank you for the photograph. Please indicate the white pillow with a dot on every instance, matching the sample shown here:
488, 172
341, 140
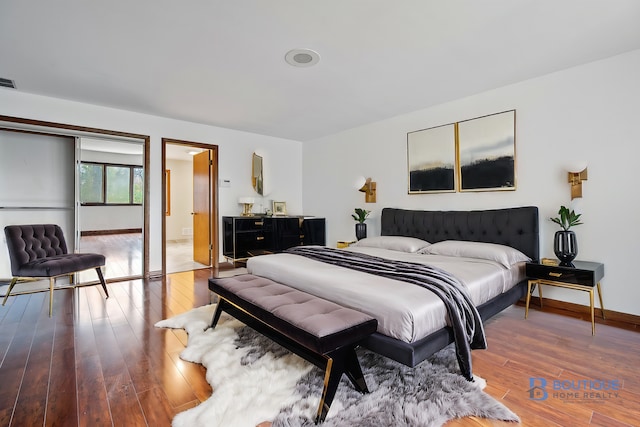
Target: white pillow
393, 243
505, 255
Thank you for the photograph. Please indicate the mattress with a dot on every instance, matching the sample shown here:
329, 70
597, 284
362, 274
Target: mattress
404, 311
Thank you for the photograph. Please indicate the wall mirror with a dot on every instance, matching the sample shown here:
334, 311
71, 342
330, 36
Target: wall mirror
256, 174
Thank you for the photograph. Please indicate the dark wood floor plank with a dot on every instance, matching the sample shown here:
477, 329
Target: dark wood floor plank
32, 400
62, 404
156, 407
123, 401
136, 357
93, 402
16, 358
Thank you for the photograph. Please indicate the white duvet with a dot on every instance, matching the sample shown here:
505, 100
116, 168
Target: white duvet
404, 311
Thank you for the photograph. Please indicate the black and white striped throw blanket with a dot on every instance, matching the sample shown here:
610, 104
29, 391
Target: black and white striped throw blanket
464, 318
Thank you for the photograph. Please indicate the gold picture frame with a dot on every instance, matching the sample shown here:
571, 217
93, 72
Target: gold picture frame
279, 208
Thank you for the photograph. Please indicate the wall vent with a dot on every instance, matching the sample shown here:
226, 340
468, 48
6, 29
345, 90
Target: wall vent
8, 83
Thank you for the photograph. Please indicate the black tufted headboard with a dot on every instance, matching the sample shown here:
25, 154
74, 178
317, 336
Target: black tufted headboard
515, 227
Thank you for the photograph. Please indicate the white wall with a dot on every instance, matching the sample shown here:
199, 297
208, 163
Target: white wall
283, 158
588, 112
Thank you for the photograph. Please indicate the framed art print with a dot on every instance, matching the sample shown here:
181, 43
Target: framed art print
431, 157
487, 152
279, 208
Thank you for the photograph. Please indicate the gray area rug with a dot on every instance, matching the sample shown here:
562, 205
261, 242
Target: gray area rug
428, 395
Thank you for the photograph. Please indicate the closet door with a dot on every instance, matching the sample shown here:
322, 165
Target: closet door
37, 176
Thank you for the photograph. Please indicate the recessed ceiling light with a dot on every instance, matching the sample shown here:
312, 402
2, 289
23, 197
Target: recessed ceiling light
302, 57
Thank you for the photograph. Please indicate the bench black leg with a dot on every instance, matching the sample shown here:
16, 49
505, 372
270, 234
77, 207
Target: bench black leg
218, 312
340, 361
354, 372
102, 282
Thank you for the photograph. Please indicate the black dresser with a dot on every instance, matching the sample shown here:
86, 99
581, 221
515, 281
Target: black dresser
247, 236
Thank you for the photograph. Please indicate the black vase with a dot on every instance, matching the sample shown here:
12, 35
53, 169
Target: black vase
361, 230
565, 247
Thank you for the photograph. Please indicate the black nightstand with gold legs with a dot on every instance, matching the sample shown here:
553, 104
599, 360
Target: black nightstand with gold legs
582, 276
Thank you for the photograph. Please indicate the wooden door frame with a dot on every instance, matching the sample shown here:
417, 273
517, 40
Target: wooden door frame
215, 251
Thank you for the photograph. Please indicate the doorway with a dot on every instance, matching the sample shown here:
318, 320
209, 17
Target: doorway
51, 197
190, 200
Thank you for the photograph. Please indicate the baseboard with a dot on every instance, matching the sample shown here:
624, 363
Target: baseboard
106, 232
577, 310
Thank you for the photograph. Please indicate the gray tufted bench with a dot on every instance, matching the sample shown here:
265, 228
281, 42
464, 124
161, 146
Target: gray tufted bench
324, 333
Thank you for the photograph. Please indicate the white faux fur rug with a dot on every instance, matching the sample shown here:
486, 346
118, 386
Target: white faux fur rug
244, 395
255, 380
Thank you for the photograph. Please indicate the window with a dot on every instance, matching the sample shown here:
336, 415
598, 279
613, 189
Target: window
109, 184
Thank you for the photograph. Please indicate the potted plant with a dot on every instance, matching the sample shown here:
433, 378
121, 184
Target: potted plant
565, 244
361, 228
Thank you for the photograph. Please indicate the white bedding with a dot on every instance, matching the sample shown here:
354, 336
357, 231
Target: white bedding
404, 311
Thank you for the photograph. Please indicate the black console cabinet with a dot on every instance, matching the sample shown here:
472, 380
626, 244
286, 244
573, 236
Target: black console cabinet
247, 236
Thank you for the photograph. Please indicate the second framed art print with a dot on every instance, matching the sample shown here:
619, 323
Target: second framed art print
487, 152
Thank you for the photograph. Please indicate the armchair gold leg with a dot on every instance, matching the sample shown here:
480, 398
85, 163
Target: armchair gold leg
11, 285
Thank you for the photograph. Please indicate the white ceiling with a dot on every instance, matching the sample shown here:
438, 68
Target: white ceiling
221, 62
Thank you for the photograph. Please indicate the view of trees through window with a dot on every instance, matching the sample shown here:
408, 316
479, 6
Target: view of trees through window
109, 184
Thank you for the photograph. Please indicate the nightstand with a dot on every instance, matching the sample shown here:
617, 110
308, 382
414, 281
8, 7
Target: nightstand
582, 276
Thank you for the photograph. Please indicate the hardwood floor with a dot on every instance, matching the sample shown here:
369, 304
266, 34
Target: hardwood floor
102, 362
123, 253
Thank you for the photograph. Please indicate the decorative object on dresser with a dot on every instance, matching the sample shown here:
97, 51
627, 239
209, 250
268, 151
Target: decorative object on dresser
565, 244
245, 237
361, 228
279, 208
247, 203
581, 276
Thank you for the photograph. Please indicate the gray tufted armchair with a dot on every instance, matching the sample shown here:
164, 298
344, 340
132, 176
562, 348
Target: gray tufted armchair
40, 251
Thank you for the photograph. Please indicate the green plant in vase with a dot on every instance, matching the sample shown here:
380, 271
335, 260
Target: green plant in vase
567, 218
360, 216
565, 245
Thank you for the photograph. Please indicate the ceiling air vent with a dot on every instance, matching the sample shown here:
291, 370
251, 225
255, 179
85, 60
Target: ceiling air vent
7, 83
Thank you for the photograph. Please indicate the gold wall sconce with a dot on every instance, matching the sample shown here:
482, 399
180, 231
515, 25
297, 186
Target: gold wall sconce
247, 203
368, 187
577, 174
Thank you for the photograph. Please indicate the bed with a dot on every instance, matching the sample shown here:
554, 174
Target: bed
412, 322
